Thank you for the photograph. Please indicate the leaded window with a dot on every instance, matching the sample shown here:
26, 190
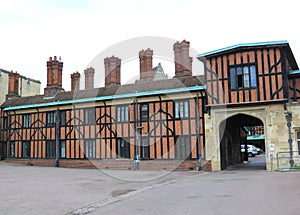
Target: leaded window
26, 121
90, 116
123, 113
63, 149
50, 149
181, 109
144, 112
243, 77
51, 119
123, 148
25, 149
90, 148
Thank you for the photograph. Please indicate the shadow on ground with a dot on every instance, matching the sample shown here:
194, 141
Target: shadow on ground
255, 163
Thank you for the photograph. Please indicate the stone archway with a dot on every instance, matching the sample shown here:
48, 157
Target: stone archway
232, 134
215, 124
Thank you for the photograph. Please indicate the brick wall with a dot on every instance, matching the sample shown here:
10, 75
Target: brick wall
117, 164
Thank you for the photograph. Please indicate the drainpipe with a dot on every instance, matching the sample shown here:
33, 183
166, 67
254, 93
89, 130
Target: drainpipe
290, 141
57, 137
199, 166
137, 128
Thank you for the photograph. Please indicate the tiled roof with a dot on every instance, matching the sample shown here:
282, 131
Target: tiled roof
158, 86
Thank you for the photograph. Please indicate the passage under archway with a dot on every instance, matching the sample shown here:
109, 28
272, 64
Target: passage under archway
233, 133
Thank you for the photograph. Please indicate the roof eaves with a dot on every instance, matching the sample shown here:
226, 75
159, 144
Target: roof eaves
199, 56
103, 98
294, 72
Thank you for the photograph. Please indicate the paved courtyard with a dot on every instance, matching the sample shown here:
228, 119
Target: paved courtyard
50, 190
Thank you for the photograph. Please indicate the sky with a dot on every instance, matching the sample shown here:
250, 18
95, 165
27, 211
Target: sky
83, 31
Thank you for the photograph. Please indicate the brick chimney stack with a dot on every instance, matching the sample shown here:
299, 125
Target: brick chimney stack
112, 71
89, 78
183, 61
75, 81
13, 85
146, 70
54, 77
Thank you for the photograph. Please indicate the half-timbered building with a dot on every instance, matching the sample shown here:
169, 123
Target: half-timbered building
251, 85
183, 122
157, 119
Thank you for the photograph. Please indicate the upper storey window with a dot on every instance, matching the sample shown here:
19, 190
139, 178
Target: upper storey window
243, 76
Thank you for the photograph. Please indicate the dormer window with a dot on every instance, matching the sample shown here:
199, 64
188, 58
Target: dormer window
243, 76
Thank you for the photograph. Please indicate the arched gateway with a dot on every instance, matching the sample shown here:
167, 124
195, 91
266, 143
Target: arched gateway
233, 133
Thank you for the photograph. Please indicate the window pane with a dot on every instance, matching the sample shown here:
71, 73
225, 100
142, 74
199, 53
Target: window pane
186, 109
253, 76
246, 76
176, 110
118, 114
233, 78
26, 149
144, 112
26, 121
181, 109
126, 113
122, 113
12, 149
239, 71
63, 118
62, 149
50, 149
90, 149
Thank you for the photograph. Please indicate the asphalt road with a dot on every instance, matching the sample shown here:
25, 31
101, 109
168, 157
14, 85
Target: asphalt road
239, 190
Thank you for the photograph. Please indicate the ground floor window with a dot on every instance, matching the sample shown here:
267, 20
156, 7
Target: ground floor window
183, 147
50, 149
63, 149
12, 149
145, 149
4, 150
123, 148
25, 149
90, 148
